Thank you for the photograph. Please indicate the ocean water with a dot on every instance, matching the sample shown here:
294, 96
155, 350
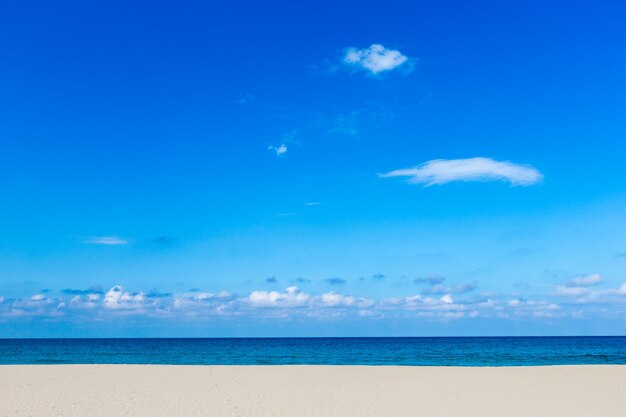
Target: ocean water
420, 351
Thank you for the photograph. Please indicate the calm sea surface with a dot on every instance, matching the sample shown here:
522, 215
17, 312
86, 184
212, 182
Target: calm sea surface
445, 351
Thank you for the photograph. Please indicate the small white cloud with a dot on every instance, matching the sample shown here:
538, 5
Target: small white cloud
280, 150
313, 203
585, 281
447, 299
442, 171
106, 240
375, 59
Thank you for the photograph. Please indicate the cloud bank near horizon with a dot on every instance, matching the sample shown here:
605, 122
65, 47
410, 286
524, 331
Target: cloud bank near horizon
437, 303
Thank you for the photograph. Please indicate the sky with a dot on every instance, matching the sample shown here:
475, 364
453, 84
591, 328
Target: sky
233, 169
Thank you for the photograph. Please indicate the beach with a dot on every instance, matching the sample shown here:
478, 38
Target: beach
311, 391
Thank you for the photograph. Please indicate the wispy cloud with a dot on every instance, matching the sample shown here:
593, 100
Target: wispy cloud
444, 289
375, 277
280, 150
335, 281
346, 124
375, 59
289, 138
94, 289
442, 171
437, 286
430, 279
163, 240
247, 99
585, 281
106, 240
581, 290
579, 286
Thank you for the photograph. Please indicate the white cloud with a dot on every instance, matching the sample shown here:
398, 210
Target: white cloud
444, 289
86, 301
333, 299
292, 303
441, 171
566, 291
603, 296
585, 281
287, 138
106, 240
580, 288
291, 297
375, 59
447, 299
117, 298
280, 150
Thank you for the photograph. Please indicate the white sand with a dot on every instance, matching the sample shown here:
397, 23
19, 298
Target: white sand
316, 391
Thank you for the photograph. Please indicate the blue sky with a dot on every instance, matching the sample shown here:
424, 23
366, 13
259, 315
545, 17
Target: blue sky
232, 169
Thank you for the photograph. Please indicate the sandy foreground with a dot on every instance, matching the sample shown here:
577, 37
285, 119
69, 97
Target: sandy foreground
316, 391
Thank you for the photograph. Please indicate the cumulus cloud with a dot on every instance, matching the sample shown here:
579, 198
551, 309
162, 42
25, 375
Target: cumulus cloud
442, 171
106, 240
436, 302
291, 297
375, 59
118, 299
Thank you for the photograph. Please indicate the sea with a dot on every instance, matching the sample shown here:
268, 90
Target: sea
401, 351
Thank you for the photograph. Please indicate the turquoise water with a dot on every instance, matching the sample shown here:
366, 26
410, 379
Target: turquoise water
444, 351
